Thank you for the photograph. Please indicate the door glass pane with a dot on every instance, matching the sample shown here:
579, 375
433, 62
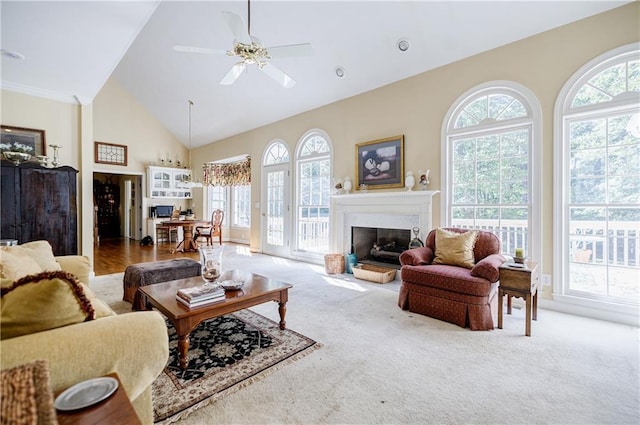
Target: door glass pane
275, 208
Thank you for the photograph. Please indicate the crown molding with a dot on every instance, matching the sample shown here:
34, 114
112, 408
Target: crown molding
47, 94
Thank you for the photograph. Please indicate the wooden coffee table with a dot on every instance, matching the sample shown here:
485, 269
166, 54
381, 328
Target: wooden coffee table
256, 290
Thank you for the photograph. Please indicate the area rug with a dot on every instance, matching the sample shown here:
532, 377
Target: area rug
225, 354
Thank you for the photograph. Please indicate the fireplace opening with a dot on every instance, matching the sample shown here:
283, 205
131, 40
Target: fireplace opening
378, 245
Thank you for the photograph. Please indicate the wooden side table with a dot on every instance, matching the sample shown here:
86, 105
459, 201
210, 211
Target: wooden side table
520, 283
117, 409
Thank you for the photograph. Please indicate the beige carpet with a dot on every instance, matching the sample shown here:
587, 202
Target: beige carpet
380, 364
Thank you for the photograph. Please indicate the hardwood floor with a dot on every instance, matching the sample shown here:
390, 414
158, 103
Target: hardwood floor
115, 254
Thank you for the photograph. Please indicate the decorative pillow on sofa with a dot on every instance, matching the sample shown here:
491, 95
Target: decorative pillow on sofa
16, 263
45, 301
29, 258
455, 249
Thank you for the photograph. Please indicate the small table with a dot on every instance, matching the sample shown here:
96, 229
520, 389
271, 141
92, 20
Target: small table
256, 290
117, 409
187, 243
521, 283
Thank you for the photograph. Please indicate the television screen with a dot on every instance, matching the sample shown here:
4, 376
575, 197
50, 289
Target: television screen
164, 210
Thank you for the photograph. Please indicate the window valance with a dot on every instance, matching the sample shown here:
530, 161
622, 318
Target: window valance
231, 174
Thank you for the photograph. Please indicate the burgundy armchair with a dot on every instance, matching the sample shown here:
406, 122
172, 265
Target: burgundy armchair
465, 297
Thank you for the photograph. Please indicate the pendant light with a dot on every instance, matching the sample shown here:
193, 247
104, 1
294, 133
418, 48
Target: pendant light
191, 184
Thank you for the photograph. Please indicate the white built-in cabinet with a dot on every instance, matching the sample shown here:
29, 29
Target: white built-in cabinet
166, 182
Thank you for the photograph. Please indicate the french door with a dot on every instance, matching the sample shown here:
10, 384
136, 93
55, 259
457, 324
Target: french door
276, 213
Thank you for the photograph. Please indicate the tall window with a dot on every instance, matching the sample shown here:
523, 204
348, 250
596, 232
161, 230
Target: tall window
598, 203
241, 201
217, 196
235, 201
313, 171
490, 142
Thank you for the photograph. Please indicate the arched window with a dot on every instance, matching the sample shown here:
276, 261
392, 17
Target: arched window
313, 187
491, 146
597, 208
277, 153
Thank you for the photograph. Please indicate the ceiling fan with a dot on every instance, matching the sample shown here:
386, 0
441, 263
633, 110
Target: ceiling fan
249, 49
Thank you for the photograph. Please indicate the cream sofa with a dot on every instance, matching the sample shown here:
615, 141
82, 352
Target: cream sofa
133, 345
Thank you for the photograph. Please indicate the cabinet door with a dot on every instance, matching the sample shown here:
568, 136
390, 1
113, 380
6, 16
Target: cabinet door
9, 221
49, 211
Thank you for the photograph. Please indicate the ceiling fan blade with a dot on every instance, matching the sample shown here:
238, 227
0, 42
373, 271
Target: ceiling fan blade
191, 49
237, 26
278, 75
290, 50
233, 74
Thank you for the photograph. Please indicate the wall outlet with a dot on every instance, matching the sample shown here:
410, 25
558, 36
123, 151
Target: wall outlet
546, 280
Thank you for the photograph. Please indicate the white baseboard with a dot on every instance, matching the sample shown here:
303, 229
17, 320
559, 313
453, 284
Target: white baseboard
626, 315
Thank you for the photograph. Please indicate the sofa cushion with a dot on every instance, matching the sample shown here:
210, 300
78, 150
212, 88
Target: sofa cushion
455, 249
16, 263
45, 301
29, 258
42, 252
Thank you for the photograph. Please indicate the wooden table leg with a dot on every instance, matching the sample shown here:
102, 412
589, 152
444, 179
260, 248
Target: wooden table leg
178, 249
183, 349
527, 331
282, 309
509, 304
535, 305
500, 300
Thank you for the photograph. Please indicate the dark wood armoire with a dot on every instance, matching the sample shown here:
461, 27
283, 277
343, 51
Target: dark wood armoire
40, 204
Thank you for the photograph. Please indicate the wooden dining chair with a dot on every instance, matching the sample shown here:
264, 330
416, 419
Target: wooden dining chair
211, 230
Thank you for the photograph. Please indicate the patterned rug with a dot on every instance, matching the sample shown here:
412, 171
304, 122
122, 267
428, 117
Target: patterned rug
225, 354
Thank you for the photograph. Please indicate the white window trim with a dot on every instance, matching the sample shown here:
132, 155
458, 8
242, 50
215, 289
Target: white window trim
598, 309
535, 169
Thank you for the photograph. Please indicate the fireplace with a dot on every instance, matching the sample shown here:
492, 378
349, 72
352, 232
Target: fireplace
379, 245
401, 210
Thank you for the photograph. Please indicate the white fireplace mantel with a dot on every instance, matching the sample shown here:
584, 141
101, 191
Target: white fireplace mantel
393, 210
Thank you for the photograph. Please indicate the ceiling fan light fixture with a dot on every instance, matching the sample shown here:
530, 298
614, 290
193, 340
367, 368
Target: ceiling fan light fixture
340, 72
403, 44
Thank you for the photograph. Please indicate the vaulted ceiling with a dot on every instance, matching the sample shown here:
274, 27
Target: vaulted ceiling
70, 49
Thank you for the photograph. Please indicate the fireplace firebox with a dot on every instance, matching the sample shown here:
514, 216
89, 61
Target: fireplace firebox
379, 245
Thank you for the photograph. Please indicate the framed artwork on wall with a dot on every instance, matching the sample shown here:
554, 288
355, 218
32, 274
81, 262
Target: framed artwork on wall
380, 163
25, 140
110, 153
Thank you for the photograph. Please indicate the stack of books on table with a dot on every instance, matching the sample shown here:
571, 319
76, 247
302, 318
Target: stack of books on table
200, 295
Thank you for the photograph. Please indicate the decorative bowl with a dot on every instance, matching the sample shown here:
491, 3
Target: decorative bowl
17, 157
231, 285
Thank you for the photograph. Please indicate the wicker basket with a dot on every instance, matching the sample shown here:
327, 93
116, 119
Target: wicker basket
373, 273
334, 263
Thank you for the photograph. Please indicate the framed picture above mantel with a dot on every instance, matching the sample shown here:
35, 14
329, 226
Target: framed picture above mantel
380, 163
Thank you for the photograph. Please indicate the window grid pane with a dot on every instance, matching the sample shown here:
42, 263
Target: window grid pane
241, 200
490, 185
